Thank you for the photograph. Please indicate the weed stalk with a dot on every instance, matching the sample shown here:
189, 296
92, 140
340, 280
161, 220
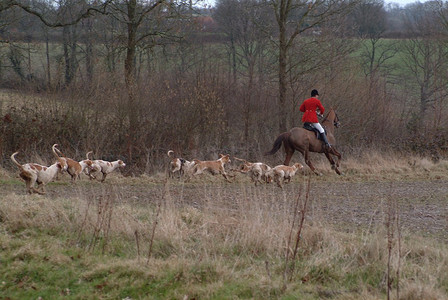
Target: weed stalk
289, 269
151, 240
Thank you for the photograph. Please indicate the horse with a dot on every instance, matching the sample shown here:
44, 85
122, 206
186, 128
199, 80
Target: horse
306, 141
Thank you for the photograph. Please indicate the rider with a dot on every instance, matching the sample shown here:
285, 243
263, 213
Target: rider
309, 107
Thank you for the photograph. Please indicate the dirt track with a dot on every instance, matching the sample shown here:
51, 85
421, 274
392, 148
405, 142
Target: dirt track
423, 205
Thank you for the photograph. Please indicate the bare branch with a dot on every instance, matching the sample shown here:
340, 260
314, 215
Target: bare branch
87, 13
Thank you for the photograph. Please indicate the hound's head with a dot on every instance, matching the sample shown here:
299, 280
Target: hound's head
175, 164
224, 158
244, 168
121, 164
89, 164
268, 176
62, 164
298, 166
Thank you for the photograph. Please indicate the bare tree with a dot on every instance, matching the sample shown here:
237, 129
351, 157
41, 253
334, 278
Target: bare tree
426, 60
88, 36
63, 13
49, 15
370, 22
317, 61
146, 24
19, 43
294, 17
69, 43
225, 14
245, 24
16, 58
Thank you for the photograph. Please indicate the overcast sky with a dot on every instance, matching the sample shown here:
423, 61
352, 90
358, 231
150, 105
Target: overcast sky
400, 2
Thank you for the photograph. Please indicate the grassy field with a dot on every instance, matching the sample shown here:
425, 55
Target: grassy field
148, 238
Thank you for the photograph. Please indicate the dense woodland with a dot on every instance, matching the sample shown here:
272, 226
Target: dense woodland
133, 79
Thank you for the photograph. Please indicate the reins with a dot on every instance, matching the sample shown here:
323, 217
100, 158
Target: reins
335, 123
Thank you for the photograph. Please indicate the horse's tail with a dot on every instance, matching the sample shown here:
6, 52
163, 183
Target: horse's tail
278, 142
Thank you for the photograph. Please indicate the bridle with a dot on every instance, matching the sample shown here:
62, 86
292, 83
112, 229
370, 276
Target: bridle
335, 121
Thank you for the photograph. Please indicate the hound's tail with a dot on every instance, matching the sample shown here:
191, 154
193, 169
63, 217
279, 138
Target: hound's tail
15, 161
59, 151
170, 153
283, 137
87, 155
239, 159
54, 151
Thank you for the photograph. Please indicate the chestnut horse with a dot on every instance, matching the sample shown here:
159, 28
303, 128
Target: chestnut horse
306, 141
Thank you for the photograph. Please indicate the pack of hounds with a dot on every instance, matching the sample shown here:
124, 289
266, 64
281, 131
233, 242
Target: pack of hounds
260, 173
36, 176
33, 173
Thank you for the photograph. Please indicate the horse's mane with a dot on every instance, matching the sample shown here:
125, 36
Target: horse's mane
326, 116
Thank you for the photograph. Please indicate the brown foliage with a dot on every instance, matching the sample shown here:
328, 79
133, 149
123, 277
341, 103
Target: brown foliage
199, 115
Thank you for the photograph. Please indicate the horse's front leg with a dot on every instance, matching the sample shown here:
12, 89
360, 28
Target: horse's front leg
337, 154
334, 166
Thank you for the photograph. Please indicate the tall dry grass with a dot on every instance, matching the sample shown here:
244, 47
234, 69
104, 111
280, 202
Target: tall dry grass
373, 164
219, 241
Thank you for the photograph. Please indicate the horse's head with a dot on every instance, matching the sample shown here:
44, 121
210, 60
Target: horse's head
332, 116
336, 120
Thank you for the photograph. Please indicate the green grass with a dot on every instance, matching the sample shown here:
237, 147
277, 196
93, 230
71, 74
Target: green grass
219, 251
36, 263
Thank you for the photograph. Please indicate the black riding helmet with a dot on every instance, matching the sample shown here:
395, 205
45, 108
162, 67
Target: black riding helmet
314, 93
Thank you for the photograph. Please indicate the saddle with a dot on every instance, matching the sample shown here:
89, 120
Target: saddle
309, 126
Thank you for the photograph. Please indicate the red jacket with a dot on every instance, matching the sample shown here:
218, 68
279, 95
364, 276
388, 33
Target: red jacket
309, 107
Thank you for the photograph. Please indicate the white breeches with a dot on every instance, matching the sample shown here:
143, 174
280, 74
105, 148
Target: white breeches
318, 127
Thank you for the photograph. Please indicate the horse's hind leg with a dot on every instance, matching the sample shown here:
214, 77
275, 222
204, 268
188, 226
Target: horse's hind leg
289, 152
306, 155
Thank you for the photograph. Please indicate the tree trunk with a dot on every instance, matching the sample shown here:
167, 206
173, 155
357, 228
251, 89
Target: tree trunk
89, 52
47, 53
69, 46
248, 105
282, 61
130, 80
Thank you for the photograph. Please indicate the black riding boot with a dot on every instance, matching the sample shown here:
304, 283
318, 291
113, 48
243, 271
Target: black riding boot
324, 138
